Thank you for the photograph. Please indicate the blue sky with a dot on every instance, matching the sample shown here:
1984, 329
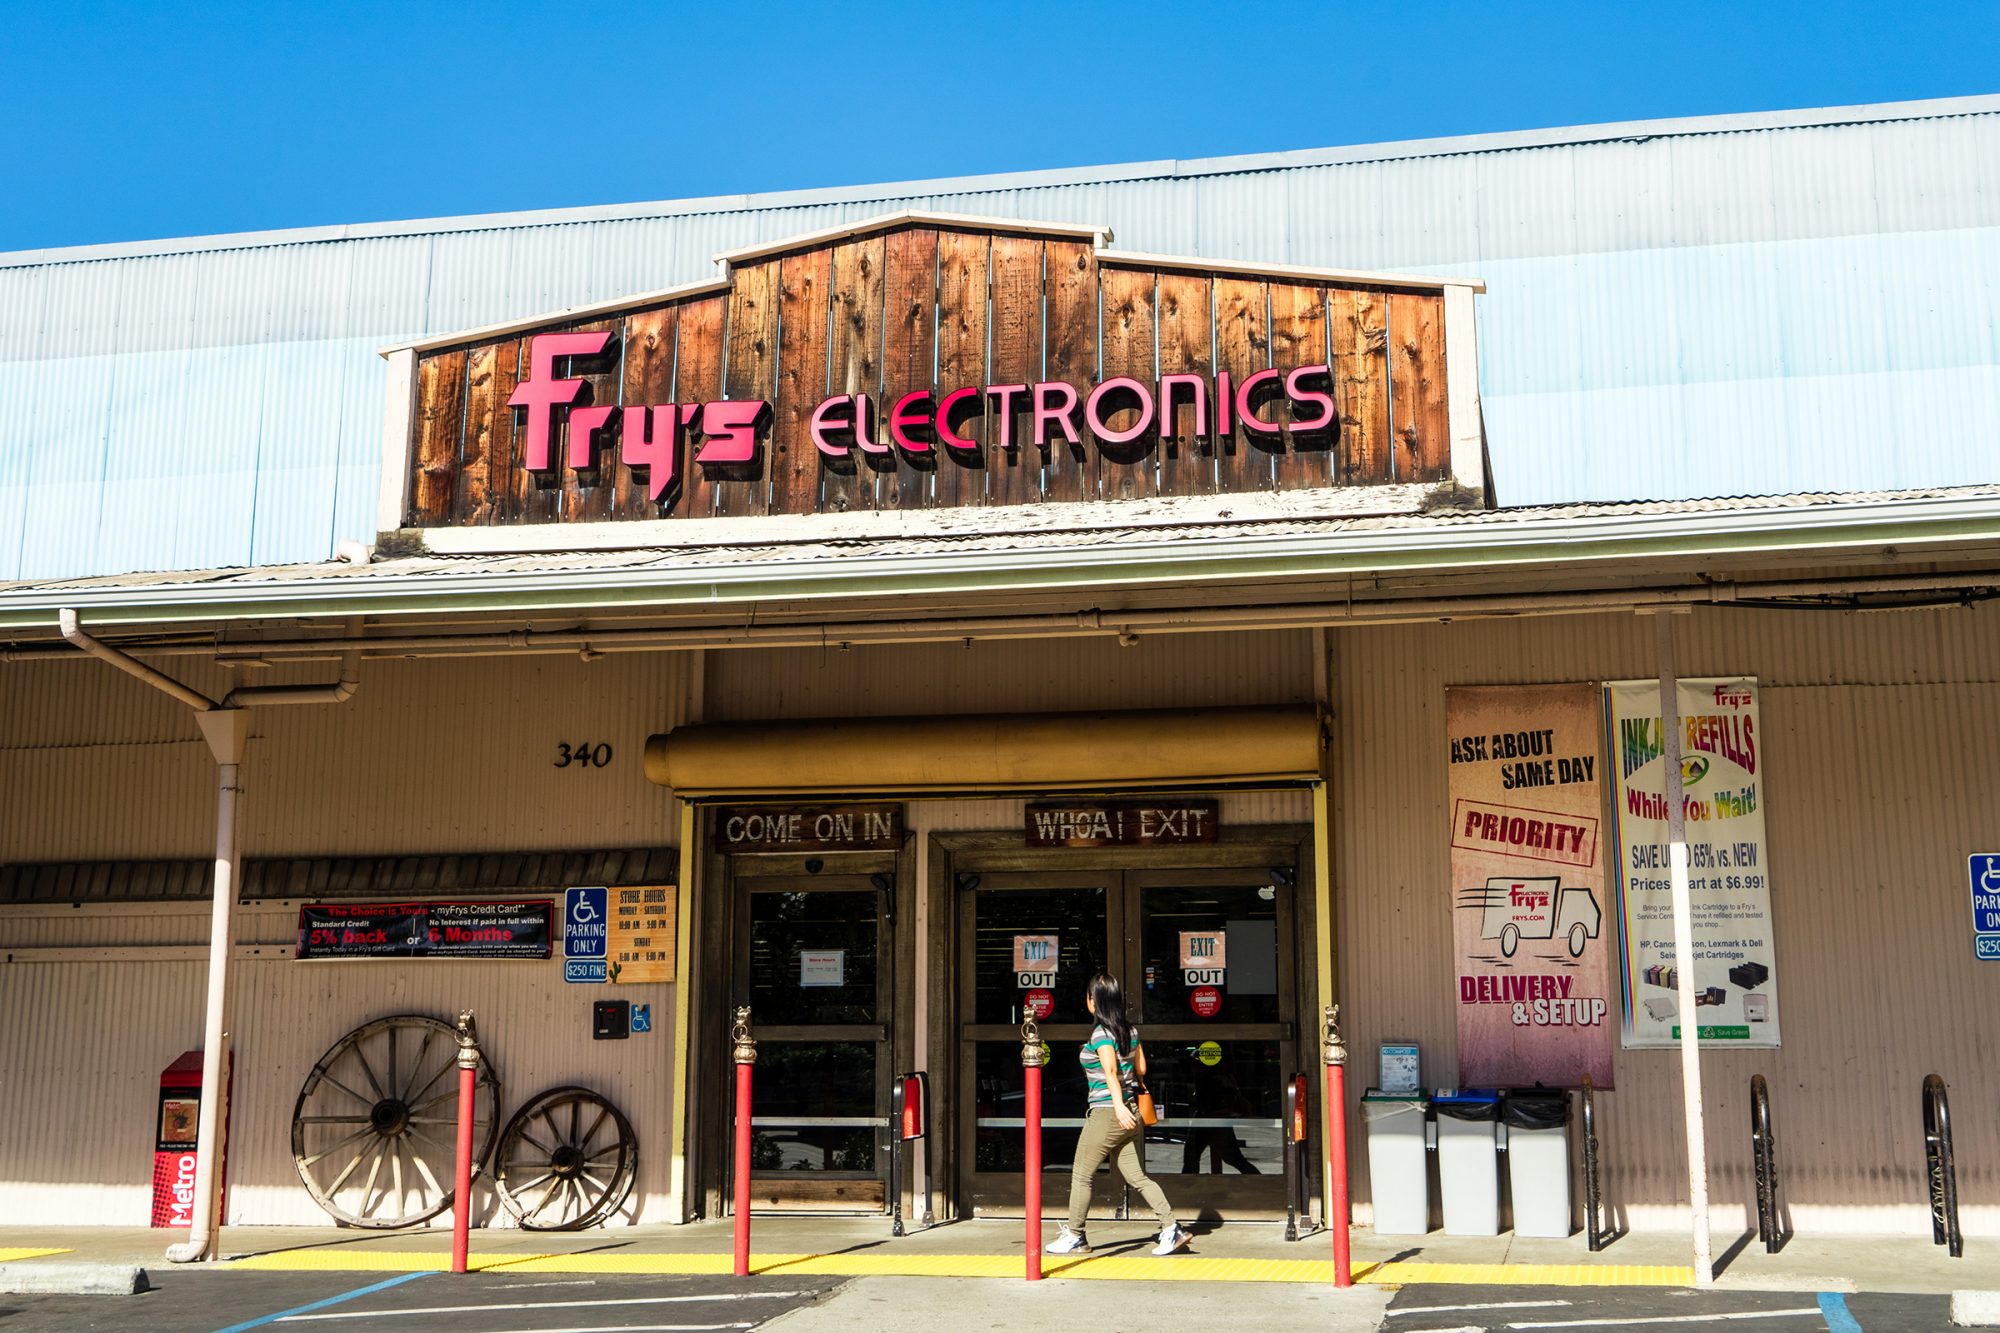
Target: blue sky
127, 122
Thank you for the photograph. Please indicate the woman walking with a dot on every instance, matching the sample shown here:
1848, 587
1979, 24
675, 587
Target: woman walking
1112, 1059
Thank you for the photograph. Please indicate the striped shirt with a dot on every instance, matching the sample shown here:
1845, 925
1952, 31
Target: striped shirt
1093, 1070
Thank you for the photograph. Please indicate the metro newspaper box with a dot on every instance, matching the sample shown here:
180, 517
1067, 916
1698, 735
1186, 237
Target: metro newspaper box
174, 1155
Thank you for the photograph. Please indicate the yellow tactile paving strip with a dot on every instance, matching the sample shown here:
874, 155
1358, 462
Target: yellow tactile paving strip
1183, 1268
9, 1256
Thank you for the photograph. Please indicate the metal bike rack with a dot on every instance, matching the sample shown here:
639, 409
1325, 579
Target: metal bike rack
1298, 1156
1941, 1173
1593, 1224
1764, 1151
907, 1124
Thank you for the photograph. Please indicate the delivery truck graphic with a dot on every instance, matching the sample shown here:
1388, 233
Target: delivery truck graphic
1513, 909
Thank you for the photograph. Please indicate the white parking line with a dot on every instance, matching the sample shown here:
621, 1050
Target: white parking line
549, 1305
1492, 1305
1676, 1318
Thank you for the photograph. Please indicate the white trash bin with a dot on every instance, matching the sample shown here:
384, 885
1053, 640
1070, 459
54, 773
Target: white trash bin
1468, 1136
1399, 1179
1537, 1124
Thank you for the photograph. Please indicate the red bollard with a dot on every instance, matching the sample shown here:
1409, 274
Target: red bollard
746, 1060
468, 1090
1032, 1060
1334, 1051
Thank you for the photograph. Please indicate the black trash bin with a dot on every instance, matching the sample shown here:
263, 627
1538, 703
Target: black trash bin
1537, 1121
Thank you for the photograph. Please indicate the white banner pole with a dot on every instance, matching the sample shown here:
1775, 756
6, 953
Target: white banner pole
1677, 851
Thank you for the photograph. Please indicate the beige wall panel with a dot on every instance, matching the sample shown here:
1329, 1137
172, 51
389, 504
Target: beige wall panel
429, 756
1009, 676
1883, 753
79, 1084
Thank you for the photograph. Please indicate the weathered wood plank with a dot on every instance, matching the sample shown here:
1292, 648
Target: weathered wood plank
855, 357
963, 259
750, 371
1298, 338
649, 382
440, 431
1127, 471
1187, 325
804, 281
1421, 426
491, 488
1071, 358
1014, 474
1242, 347
1360, 339
697, 380
908, 356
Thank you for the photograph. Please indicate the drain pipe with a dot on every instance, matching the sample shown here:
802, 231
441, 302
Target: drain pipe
225, 730
225, 726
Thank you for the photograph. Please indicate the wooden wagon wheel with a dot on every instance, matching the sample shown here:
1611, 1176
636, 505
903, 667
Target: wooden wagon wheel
567, 1161
374, 1127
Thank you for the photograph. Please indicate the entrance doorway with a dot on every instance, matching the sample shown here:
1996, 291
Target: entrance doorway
815, 963
1220, 1036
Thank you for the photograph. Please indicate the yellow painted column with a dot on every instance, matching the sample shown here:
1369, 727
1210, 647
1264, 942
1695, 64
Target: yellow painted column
677, 1209
1323, 963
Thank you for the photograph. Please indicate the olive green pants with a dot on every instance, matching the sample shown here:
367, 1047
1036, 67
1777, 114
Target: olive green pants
1101, 1138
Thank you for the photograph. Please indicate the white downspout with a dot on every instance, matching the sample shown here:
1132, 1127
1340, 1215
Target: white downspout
1677, 860
225, 730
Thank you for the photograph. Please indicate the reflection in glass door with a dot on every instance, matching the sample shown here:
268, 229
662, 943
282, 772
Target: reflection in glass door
813, 965
1211, 986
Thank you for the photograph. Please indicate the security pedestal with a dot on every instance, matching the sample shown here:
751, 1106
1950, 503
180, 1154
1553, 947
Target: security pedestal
1398, 1172
1468, 1125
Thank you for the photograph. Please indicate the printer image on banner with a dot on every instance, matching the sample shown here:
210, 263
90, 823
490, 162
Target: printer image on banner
1729, 877
1531, 924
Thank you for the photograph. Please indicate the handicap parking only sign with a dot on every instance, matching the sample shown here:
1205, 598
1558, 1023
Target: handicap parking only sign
642, 1018
1984, 870
585, 930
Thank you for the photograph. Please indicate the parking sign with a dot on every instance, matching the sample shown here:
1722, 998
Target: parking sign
1983, 869
585, 923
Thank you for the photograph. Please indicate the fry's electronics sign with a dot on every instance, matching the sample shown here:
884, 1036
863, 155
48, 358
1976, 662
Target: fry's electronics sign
726, 433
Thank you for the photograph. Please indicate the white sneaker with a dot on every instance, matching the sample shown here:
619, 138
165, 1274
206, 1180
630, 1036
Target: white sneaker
1171, 1239
1067, 1242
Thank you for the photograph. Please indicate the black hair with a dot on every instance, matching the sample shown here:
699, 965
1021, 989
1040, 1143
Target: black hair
1108, 998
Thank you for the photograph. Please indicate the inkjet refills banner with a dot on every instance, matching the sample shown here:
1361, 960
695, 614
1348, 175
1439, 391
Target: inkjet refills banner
1729, 883
1530, 918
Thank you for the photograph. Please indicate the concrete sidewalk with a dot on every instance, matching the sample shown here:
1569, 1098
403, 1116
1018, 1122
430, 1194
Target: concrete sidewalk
862, 1247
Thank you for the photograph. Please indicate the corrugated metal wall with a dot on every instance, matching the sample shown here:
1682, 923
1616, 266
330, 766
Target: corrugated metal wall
1008, 676
1672, 315
81, 1079
428, 756
1883, 751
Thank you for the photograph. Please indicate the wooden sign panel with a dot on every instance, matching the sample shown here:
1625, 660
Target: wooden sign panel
808, 828
639, 946
1161, 823
925, 365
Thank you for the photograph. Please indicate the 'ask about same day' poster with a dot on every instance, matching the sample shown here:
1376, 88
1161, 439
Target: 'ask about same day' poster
1729, 887
1530, 919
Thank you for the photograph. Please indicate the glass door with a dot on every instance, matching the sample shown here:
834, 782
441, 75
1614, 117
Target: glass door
1206, 960
1059, 925
1211, 950
813, 963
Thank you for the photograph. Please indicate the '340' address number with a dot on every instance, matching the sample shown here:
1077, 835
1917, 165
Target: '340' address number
584, 755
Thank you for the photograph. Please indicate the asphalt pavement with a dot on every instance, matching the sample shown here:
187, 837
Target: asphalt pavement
1509, 1309
492, 1302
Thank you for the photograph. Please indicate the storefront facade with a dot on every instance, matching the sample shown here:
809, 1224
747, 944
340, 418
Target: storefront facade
930, 611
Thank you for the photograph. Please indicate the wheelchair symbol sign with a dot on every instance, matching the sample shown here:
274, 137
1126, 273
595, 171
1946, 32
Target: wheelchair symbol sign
1983, 869
584, 930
